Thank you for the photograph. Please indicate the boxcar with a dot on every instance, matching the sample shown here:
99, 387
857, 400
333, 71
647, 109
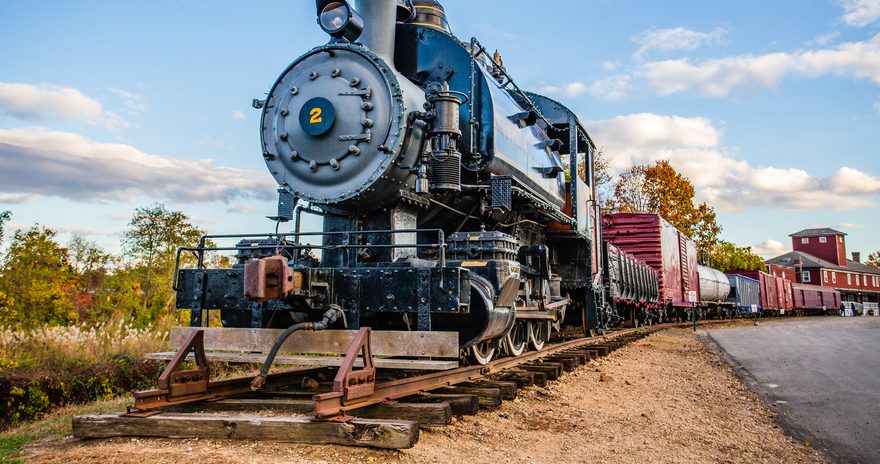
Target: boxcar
744, 292
652, 240
815, 299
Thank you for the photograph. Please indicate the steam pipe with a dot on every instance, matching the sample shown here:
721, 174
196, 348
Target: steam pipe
380, 22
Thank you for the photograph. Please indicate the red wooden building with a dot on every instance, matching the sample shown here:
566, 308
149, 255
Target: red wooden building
819, 258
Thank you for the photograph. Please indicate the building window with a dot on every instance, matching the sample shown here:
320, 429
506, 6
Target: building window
833, 277
805, 240
823, 239
858, 280
849, 279
825, 276
840, 239
805, 276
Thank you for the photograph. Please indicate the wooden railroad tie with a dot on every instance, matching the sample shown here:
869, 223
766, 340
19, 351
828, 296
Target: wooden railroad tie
460, 404
489, 397
508, 388
376, 433
551, 371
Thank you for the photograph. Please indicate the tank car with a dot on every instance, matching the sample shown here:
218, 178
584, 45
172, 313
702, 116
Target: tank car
714, 291
441, 185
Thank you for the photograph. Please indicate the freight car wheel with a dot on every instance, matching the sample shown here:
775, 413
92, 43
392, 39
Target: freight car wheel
517, 339
483, 352
539, 333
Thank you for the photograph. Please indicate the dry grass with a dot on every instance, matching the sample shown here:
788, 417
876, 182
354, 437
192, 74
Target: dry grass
50, 347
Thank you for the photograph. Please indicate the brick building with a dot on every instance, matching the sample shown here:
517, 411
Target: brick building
819, 258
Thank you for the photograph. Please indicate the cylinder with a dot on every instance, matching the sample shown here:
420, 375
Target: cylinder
444, 172
380, 21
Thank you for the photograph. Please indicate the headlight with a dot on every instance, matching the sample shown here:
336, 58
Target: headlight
339, 20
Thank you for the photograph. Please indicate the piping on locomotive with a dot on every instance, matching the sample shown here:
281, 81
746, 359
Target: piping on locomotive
442, 186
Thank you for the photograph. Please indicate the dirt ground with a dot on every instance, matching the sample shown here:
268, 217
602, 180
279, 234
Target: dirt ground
663, 399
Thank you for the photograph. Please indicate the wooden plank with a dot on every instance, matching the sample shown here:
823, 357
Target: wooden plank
382, 342
522, 378
551, 372
488, 397
438, 413
508, 388
356, 432
589, 354
461, 404
568, 364
330, 361
434, 413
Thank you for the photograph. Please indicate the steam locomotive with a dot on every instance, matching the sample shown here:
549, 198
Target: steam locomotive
449, 196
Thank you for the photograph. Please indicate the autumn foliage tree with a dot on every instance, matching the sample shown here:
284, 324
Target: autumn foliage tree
873, 259
151, 241
660, 189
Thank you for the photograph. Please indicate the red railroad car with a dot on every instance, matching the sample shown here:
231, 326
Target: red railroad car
814, 298
668, 251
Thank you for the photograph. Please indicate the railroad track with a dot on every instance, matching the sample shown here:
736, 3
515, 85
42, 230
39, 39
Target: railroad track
305, 406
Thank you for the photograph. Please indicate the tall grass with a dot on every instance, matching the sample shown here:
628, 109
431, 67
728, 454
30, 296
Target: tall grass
56, 347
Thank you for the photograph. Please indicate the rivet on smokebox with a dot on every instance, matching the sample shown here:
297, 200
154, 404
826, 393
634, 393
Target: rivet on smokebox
367, 122
335, 72
355, 82
294, 90
334, 164
284, 112
313, 165
313, 75
354, 150
366, 106
294, 155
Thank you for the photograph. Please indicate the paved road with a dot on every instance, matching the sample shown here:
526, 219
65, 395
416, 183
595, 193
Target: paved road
821, 374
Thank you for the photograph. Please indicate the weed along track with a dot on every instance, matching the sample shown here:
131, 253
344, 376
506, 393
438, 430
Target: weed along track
310, 405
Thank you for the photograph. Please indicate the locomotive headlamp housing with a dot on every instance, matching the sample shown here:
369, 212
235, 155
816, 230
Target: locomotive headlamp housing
339, 19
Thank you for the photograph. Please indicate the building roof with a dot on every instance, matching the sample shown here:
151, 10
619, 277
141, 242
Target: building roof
860, 267
807, 260
810, 261
817, 232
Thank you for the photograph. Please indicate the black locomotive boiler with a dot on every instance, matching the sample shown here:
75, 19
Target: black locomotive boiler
444, 191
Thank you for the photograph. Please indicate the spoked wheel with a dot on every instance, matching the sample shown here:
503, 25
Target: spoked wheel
539, 333
483, 352
517, 339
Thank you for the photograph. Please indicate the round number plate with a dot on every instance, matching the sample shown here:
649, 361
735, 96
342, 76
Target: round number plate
316, 116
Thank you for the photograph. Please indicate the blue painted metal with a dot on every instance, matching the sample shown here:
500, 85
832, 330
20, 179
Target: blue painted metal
744, 292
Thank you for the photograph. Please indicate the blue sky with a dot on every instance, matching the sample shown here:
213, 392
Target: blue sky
771, 108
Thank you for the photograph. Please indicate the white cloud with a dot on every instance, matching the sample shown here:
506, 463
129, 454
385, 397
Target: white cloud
243, 208
610, 65
38, 102
719, 77
611, 88
239, 115
675, 39
135, 103
769, 248
571, 89
849, 225
693, 146
824, 39
42, 162
860, 12
849, 180
15, 198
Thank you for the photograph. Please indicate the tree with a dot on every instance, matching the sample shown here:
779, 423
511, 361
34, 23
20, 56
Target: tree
873, 259
38, 284
727, 256
631, 192
152, 238
705, 232
4, 218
